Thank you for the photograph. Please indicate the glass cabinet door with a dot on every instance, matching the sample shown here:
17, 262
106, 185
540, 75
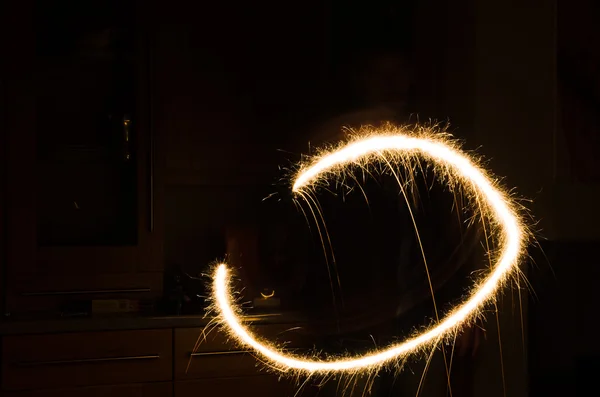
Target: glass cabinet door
85, 104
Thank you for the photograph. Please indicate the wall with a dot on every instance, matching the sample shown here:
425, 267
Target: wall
515, 124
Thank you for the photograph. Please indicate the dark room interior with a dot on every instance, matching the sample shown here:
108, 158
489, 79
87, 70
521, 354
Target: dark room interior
143, 143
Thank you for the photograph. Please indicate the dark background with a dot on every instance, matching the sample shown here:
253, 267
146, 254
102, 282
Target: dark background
223, 94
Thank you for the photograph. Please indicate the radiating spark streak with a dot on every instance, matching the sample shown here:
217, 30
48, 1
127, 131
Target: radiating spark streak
337, 388
368, 385
426, 369
521, 319
298, 205
320, 212
500, 208
500, 350
212, 324
301, 386
362, 190
304, 195
353, 383
269, 196
455, 204
289, 329
452, 355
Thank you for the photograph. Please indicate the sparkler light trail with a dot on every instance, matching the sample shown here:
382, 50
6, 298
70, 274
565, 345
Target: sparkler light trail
401, 147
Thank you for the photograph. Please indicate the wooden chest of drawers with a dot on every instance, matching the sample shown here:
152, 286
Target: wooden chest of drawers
143, 363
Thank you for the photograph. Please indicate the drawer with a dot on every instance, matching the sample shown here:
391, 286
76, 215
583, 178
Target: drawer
86, 359
216, 356
263, 386
158, 389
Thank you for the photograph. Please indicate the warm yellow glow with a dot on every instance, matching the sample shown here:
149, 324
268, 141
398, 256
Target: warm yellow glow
401, 147
267, 296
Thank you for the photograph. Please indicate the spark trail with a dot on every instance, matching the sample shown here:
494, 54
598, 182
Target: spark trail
402, 148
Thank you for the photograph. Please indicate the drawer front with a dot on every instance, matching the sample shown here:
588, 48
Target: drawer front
86, 359
158, 389
200, 356
214, 365
263, 386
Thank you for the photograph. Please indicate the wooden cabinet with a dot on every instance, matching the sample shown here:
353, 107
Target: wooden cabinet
83, 166
143, 363
86, 359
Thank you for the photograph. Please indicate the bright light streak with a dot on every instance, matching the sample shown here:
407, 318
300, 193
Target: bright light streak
458, 167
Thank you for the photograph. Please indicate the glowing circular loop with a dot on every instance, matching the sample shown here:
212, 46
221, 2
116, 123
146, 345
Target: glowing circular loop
471, 175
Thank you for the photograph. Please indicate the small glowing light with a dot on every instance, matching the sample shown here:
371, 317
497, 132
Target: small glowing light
397, 146
267, 296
